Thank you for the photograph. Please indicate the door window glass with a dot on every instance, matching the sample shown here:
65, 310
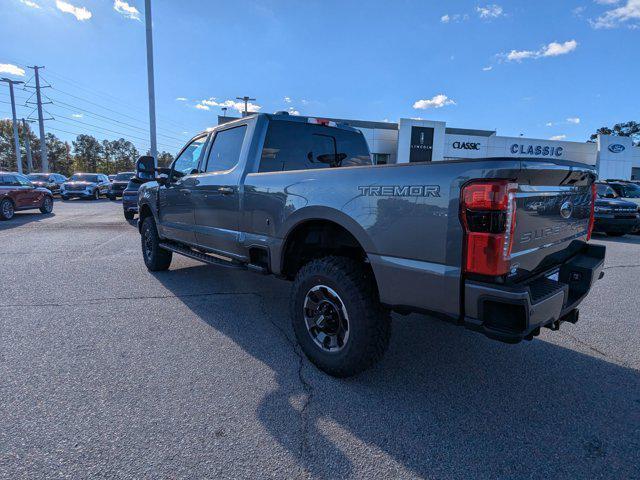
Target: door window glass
225, 151
24, 181
187, 162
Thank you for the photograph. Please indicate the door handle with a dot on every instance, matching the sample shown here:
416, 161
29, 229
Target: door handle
185, 191
225, 190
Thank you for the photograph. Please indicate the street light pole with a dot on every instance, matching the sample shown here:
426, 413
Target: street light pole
150, 82
246, 101
16, 139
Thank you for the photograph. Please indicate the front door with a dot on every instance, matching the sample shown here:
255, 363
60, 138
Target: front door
176, 205
216, 196
27, 195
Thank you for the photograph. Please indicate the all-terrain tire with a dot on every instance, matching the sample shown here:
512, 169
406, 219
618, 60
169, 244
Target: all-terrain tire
155, 257
369, 323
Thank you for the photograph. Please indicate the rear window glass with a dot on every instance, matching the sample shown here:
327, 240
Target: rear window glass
301, 146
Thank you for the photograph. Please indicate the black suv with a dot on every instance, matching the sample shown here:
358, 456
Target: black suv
119, 183
50, 181
130, 198
614, 216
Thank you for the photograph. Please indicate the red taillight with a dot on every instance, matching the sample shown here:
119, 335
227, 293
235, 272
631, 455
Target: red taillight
488, 214
591, 218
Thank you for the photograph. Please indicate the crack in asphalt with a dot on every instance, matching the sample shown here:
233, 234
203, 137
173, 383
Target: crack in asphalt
304, 452
137, 297
596, 350
621, 266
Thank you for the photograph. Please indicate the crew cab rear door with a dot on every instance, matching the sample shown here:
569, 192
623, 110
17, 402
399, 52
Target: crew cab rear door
216, 194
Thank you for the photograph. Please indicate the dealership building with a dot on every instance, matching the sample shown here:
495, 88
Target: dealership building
413, 140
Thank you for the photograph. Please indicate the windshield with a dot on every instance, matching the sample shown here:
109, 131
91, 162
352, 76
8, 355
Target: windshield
124, 176
605, 191
84, 177
42, 177
631, 191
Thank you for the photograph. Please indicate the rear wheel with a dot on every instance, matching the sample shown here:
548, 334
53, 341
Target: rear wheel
155, 257
47, 205
337, 317
7, 209
65, 198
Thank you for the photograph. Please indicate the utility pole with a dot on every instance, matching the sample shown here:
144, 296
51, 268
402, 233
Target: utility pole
43, 143
246, 100
27, 145
16, 139
150, 82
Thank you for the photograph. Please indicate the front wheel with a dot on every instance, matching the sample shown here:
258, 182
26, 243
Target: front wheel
128, 215
337, 317
155, 257
7, 210
47, 205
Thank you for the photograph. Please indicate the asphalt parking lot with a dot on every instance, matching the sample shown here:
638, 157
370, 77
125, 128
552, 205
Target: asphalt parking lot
107, 370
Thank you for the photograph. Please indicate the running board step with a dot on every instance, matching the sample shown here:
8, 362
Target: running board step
202, 257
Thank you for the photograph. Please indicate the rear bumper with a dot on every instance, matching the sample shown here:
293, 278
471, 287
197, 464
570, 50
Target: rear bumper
622, 225
515, 313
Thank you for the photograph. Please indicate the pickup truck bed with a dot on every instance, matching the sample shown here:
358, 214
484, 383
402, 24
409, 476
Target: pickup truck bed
496, 245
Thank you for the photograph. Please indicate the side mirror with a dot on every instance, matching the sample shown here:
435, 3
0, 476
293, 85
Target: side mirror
145, 167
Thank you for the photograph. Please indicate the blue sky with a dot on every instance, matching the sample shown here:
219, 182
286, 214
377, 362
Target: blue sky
543, 69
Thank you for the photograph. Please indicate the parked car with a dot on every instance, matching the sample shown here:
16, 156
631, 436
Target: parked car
17, 192
111, 177
50, 181
299, 198
130, 198
119, 183
612, 215
626, 190
85, 185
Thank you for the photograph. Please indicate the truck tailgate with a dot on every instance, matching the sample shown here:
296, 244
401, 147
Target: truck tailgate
553, 208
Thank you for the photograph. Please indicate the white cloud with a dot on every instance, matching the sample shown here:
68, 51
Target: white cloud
487, 69
553, 49
490, 11
11, 69
574, 120
181, 99
629, 12
126, 10
287, 99
80, 13
558, 137
607, 2
29, 3
239, 106
455, 18
438, 101
549, 124
293, 111
77, 115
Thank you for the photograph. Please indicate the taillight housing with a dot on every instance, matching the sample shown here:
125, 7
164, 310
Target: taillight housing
488, 215
591, 217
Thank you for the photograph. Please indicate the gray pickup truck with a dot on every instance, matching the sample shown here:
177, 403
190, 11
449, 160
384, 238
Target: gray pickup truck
496, 245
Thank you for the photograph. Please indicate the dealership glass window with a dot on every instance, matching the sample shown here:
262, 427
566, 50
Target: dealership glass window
381, 158
187, 161
225, 151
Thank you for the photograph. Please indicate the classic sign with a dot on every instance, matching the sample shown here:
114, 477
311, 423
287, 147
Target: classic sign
543, 150
466, 145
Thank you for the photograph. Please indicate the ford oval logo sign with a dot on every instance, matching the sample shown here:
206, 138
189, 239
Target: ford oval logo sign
616, 148
566, 209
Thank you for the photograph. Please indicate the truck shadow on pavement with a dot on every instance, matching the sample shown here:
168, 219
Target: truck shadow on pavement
444, 402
